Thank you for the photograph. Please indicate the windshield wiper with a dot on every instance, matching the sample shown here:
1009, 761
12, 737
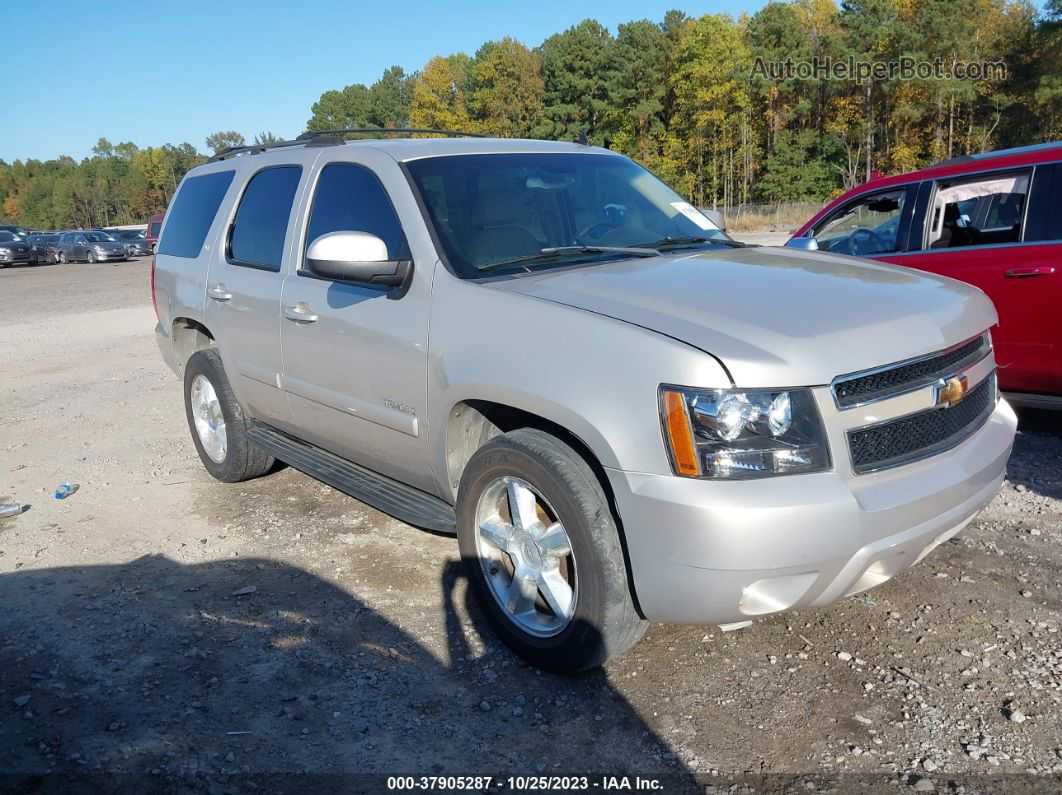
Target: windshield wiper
692, 240
561, 251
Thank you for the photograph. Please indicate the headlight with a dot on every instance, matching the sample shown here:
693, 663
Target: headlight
100, 249
5, 252
732, 434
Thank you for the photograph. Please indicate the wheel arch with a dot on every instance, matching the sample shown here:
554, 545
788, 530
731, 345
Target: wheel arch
474, 422
189, 335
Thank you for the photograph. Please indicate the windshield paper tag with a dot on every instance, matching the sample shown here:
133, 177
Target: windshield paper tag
693, 214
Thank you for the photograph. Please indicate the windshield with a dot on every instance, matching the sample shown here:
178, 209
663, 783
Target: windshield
98, 237
492, 209
155, 227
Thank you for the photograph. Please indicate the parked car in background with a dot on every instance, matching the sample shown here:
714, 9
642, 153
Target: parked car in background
991, 220
135, 241
623, 414
90, 246
15, 249
151, 234
45, 247
20, 231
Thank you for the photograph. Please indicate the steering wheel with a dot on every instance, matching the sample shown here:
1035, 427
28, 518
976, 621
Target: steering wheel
594, 232
866, 241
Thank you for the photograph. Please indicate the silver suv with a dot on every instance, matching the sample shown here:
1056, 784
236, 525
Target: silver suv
624, 415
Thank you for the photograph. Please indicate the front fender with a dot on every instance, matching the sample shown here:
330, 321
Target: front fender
595, 376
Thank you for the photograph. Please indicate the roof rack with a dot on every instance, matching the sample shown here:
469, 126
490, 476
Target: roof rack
1017, 150
331, 138
312, 134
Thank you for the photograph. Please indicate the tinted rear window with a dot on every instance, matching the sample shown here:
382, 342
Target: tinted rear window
192, 212
262, 220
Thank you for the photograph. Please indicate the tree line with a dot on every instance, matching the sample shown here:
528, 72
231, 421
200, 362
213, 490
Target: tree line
688, 97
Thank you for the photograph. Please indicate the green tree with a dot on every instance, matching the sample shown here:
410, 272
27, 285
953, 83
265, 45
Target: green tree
578, 70
389, 99
639, 91
223, 140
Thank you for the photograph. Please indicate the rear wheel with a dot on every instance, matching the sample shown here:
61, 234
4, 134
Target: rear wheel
542, 553
218, 424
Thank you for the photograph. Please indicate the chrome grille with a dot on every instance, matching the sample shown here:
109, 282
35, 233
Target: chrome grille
916, 436
895, 379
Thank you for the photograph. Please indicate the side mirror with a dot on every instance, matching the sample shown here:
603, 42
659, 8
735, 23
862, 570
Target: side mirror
356, 257
803, 243
715, 216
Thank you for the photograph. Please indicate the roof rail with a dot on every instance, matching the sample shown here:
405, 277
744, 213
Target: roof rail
232, 151
330, 138
312, 134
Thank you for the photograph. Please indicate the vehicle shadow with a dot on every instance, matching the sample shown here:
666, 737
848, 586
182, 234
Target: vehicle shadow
1039, 440
156, 675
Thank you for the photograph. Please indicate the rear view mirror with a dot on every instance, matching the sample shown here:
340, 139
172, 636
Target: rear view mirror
887, 205
356, 257
803, 243
715, 217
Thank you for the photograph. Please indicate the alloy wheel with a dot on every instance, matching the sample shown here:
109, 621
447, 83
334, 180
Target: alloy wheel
209, 419
526, 556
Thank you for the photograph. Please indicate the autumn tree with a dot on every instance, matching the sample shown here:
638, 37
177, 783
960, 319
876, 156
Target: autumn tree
506, 96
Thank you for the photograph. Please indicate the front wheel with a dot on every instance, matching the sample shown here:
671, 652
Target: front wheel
92, 257
218, 424
542, 553
62, 257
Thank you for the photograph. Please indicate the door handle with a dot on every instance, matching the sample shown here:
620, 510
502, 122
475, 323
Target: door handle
218, 293
300, 313
1025, 273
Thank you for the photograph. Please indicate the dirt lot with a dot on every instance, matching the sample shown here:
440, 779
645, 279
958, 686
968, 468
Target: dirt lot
176, 633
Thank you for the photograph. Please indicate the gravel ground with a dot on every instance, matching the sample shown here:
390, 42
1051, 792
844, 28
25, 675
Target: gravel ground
172, 632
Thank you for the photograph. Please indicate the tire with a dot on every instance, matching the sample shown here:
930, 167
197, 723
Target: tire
92, 257
62, 257
604, 622
239, 459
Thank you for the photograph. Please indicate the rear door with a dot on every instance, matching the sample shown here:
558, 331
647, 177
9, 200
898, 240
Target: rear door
244, 286
1001, 231
355, 358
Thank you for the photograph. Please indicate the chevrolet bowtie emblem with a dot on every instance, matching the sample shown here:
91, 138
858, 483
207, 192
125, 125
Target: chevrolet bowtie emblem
950, 391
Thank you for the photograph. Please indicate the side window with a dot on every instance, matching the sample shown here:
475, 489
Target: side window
257, 235
864, 227
192, 212
1043, 221
350, 198
981, 211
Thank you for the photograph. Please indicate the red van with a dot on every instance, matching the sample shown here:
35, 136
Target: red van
154, 224
993, 220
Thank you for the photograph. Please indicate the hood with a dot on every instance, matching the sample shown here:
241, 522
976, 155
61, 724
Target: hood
774, 316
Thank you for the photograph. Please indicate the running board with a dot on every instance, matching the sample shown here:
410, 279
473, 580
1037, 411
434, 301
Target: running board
411, 505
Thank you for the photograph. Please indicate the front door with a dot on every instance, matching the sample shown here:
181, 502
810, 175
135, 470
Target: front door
355, 358
998, 231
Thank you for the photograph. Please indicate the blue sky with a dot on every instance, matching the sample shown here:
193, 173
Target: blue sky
155, 73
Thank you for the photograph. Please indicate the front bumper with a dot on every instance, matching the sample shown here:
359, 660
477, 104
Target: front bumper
704, 552
106, 256
19, 258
